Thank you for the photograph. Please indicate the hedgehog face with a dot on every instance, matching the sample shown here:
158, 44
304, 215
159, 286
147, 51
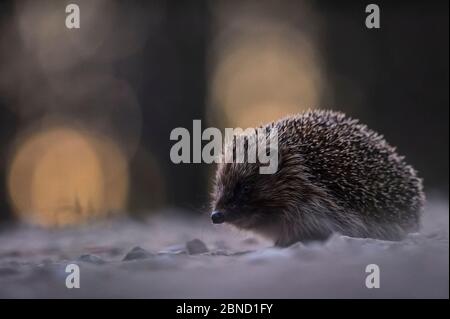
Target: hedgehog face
244, 198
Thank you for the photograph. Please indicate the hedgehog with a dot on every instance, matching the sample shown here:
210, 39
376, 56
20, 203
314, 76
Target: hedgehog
335, 175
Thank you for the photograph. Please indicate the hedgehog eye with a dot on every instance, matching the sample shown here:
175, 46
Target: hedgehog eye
245, 189
241, 190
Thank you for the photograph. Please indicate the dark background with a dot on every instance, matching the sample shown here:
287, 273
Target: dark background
401, 72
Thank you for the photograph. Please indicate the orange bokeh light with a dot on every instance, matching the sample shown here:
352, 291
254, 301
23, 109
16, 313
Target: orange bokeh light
64, 176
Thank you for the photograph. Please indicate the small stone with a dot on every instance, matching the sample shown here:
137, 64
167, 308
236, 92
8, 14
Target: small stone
92, 259
137, 253
196, 246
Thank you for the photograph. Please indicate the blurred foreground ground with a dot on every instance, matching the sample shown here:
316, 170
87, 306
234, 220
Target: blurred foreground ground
235, 265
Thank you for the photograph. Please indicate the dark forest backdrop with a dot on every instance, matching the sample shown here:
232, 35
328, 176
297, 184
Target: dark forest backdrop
394, 79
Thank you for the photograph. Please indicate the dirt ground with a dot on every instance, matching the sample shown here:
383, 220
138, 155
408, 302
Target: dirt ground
160, 258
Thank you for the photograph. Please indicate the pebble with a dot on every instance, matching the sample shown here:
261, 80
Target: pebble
137, 253
195, 247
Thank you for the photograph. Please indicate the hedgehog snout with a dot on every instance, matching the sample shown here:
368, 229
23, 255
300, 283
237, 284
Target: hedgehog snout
217, 217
